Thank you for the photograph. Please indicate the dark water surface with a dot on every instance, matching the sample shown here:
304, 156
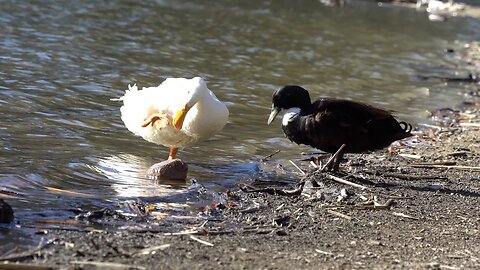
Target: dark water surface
62, 61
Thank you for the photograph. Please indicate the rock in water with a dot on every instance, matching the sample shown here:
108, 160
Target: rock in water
6, 212
173, 169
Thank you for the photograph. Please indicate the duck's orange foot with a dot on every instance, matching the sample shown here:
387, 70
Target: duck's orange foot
161, 120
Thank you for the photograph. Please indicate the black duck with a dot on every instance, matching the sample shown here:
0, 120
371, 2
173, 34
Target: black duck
328, 123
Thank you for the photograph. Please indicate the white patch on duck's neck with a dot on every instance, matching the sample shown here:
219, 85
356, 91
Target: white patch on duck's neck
290, 115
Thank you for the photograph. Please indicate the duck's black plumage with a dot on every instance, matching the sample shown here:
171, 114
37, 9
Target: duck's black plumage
328, 123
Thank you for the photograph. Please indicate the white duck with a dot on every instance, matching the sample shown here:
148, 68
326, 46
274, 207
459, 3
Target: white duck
178, 113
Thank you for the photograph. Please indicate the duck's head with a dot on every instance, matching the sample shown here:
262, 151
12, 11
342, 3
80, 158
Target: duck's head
289, 96
193, 90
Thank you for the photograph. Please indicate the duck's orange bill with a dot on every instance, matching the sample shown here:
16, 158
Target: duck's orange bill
180, 117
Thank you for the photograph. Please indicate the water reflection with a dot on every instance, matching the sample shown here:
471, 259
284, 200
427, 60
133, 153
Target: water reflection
127, 175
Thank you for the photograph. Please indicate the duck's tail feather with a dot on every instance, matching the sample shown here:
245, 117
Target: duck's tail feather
136, 104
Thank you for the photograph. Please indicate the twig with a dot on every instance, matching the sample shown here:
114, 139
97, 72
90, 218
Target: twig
408, 176
372, 207
431, 126
398, 214
410, 156
60, 222
398, 197
196, 232
312, 153
265, 158
108, 265
26, 254
274, 191
343, 181
338, 214
201, 241
313, 164
435, 163
457, 167
324, 252
469, 124
330, 160
251, 209
152, 250
60, 228
298, 168
24, 266
280, 207
182, 233
259, 230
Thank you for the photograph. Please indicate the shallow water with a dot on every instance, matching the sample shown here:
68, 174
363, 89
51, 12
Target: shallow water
62, 61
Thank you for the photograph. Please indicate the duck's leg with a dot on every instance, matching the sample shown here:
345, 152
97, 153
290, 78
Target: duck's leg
173, 152
338, 158
333, 163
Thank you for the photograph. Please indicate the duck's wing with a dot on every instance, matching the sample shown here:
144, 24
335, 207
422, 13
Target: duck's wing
141, 105
351, 110
332, 122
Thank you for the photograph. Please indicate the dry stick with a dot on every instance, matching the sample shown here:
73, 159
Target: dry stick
343, 181
338, 214
271, 155
26, 254
216, 232
74, 229
433, 166
274, 191
150, 250
411, 177
24, 266
469, 124
298, 168
410, 156
398, 214
201, 241
324, 252
372, 207
330, 160
436, 163
183, 233
431, 126
108, 265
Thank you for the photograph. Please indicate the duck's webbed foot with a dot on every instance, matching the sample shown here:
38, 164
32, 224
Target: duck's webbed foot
157, 119
333, 163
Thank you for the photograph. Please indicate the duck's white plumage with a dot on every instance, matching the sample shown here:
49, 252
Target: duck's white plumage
150, 112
